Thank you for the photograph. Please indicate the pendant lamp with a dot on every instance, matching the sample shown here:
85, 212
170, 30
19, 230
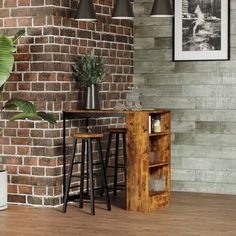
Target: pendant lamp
85, 11
123, 10
162, 8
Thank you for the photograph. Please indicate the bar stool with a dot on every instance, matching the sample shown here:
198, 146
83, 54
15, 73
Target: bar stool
86, 138
117, 132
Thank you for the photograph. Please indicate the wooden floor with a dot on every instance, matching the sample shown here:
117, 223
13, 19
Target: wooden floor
189, 214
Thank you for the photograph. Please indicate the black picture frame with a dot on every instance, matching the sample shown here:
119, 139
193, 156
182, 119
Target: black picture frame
201, 30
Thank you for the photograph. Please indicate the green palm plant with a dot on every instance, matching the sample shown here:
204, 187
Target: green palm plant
27, 109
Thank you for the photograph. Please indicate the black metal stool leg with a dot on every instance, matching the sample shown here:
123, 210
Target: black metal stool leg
116, 164
108, 150
87, 169
104, 175
107, 159
90, 166
82, 174
124, 155
69, 176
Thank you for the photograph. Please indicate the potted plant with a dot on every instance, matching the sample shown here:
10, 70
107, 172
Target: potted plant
27, 110
3, 189
90, 71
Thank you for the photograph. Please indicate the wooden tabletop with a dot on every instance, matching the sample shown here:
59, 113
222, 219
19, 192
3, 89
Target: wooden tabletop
112, 111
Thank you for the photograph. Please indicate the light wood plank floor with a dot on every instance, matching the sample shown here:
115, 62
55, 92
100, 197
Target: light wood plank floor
189, 214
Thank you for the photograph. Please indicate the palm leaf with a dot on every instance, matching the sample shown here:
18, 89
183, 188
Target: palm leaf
23, 116
6, 58
18, 35
48, 117
34, 116
23, 105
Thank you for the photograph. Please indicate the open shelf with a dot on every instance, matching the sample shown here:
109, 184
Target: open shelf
158, 134
159, 164
149, 182
154, 193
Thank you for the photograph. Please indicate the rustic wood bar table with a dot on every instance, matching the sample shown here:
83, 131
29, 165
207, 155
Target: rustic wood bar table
148, 155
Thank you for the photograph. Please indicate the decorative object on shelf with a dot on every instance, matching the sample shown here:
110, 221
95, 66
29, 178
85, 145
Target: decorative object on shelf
90, 71
85, 11
162, 8
3, 189
120, 106
123, 10
157, 184
133, 99
201, 30
156, 124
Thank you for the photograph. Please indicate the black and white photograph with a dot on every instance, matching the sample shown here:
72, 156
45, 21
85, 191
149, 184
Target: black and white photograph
201, 30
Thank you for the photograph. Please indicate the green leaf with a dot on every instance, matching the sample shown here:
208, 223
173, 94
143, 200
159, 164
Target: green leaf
6, 58
7, 47
48, 117
34, 116
18, 35
23, 105
23, 116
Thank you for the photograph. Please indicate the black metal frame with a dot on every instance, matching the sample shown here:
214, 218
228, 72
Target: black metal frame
81, 114
173, 37
116, 166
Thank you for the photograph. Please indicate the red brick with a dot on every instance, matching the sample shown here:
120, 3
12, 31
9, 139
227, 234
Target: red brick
12, 160
47, 161
32, 161
9, 150
23, 150
16, 198
25, 170
38, 171
12, 188
25, 22
12, 169
24, 189
21, 141
21, 179
23, 2
10, 3
10, 23
34, 200
40, 190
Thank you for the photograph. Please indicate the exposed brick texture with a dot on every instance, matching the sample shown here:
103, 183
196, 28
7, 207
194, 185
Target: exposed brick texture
32, 150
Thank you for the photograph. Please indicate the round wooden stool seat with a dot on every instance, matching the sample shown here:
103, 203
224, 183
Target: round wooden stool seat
117, 130
87, 135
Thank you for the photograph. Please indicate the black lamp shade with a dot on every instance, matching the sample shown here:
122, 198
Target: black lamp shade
162, 8
85, 11
123, 10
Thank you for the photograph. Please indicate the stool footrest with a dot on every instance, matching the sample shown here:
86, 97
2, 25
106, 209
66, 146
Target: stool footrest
109, 176
75, 186
78, 176
97, 164
98, 188
77, 162
118, 166
121, 185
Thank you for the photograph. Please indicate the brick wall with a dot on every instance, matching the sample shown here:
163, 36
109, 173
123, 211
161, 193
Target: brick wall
32, 150
201, 96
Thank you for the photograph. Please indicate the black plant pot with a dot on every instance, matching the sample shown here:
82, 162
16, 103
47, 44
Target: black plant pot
92, 97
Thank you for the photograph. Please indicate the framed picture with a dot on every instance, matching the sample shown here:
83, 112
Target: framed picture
201, 30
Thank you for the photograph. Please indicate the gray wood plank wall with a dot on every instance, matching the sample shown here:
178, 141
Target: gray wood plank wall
202, 98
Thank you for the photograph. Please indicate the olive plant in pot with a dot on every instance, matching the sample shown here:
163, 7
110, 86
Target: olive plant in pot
26, 110
90, 71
